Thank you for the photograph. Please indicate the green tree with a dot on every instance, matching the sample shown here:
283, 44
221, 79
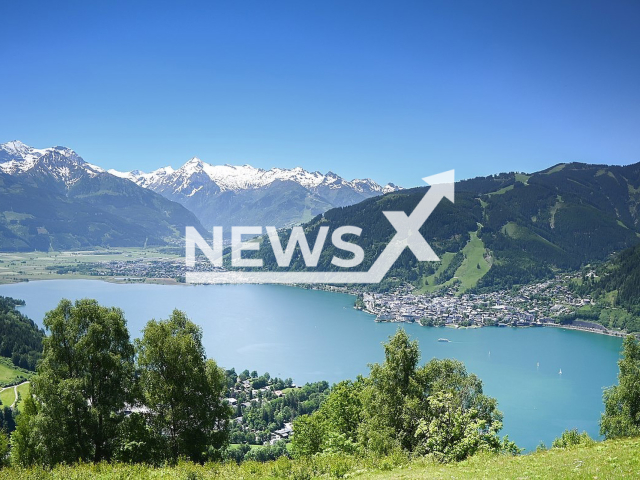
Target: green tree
453, 433
309, 433
621, 417
343, 408
436, 409
82, 383
4, 449
182, 389
391, 384
333, 428
137, 442
25, 448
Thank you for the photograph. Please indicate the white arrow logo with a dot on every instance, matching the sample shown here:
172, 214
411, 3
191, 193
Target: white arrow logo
407, 235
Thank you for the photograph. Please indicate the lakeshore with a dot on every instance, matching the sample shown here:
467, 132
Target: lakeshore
599, 331
534, 305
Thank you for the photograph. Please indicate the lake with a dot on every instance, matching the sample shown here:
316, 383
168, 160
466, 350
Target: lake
312, 335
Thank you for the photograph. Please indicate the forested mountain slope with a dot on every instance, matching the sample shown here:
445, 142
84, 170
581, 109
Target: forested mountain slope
502, 230
20, 337
614, 286
53, 199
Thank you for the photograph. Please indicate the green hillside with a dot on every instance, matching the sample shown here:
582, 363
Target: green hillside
610, 459
475, 264
99, 211
10, 374
8, 395
20, 338
511, 228
615, 287
619, 280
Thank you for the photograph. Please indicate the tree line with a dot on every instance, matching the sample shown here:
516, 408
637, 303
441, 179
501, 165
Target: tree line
98, 396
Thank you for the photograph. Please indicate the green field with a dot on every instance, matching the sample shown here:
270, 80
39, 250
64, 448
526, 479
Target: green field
7, 373
428, 283
10, 374
519, 232
502, 190
20, 266
23, 391
603, 460
555, 169
554, 210
474, 266
7, 396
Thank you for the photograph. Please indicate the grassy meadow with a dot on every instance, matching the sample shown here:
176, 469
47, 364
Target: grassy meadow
602, 460
10, 374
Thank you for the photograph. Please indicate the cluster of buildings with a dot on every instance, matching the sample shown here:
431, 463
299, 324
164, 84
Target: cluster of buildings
147, 268
534, 304
245, 396
282, 434
254, 396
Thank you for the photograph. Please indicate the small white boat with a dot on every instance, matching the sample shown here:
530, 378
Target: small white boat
444, 340
560, 372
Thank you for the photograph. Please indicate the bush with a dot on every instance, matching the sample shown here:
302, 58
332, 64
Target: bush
571, 438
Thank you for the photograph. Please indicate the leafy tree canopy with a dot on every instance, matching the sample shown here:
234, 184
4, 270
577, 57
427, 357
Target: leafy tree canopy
621, 417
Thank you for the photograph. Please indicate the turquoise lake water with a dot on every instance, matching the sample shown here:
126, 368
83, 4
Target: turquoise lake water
311, 335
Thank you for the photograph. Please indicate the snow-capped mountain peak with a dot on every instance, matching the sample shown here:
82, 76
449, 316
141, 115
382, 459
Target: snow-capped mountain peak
193, 164
390, 187
62, 163
217, 194
195, 172
15, 147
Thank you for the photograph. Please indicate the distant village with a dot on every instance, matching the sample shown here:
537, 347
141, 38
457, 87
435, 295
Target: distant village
532, 305
141, 269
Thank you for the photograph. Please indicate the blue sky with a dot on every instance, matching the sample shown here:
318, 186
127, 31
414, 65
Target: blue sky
388, 90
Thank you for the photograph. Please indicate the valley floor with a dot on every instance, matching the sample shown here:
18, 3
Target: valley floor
602, 460
121, 265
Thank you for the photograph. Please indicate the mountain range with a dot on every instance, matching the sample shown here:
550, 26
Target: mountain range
53, 198
503, 230
228, 195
